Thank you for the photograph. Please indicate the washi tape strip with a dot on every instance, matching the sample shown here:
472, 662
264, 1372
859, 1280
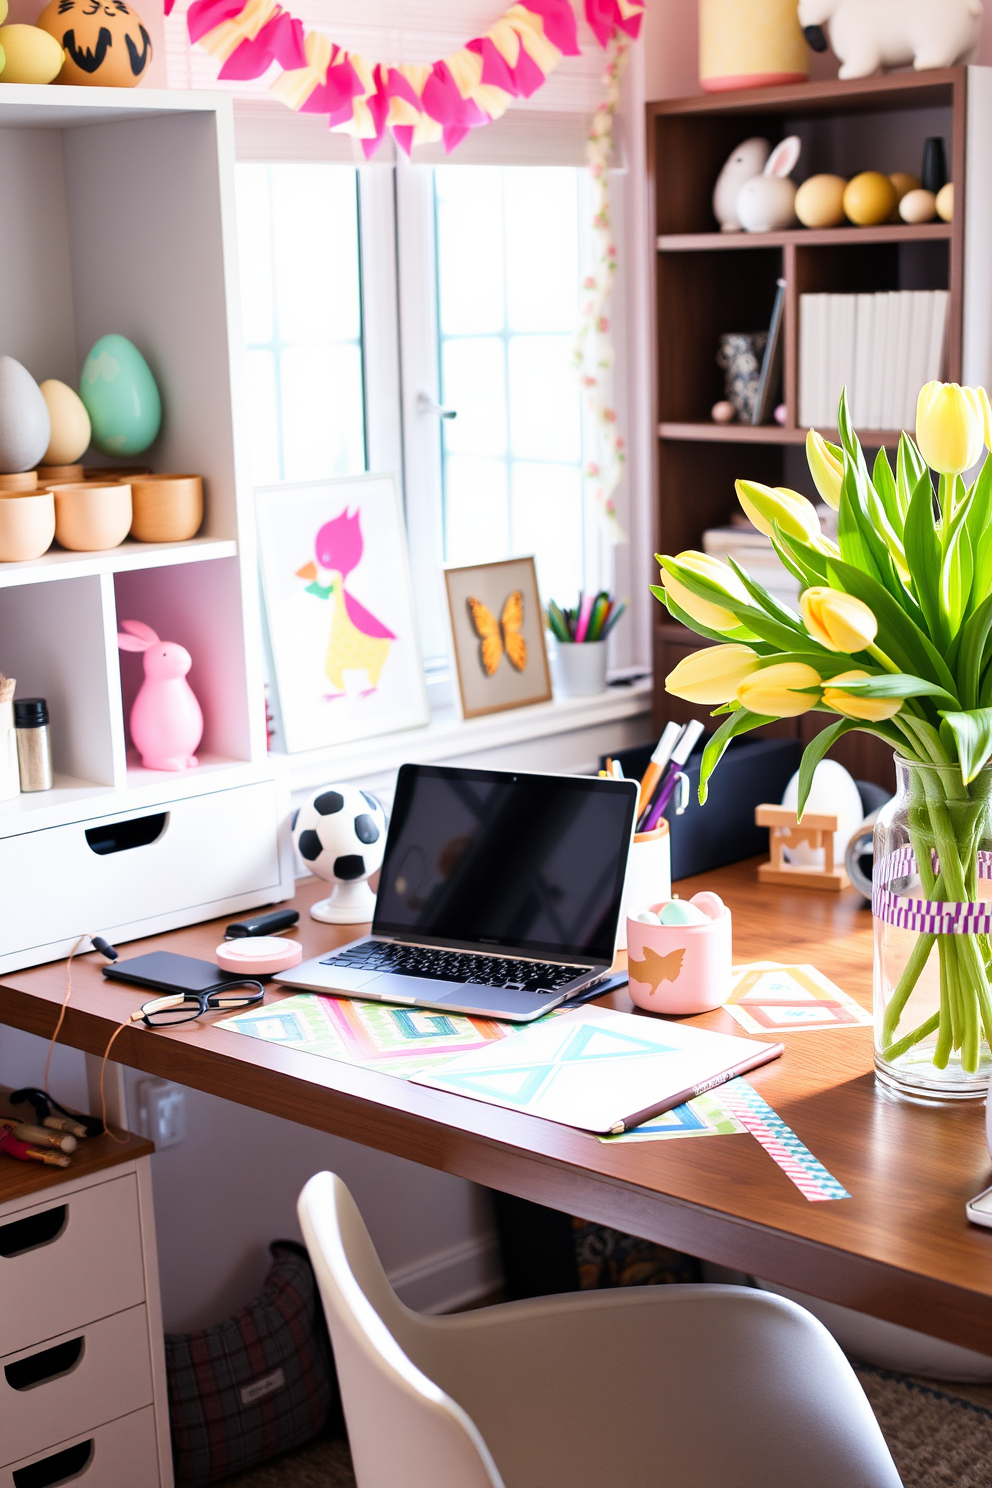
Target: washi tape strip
931, 916
781, 1143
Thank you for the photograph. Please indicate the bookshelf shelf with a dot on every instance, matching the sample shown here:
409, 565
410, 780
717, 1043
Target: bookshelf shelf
708, 283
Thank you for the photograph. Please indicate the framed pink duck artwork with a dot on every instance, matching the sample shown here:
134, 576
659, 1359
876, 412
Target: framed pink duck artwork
339, 610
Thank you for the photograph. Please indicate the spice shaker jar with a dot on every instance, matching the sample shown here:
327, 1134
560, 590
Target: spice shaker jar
34, 745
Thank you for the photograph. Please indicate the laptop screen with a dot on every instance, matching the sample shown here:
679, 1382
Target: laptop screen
534, 863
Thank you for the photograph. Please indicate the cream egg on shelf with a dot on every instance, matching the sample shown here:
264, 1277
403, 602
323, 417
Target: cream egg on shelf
945, 202
31, 55
918, 206
70, 422
820, 201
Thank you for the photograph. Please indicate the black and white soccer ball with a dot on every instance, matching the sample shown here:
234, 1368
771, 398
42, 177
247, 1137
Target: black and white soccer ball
340, 833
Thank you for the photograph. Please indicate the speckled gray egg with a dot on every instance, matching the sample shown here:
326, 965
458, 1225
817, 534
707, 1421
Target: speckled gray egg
25, 427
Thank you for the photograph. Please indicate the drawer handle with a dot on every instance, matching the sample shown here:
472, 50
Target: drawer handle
61, 1467
37, 1230
122, 836
49, 1364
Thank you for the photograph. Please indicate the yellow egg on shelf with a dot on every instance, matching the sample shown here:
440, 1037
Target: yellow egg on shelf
3, 11
903, 182
70, 423
944, 202
820, 201
30, 55
918, 206
869, 199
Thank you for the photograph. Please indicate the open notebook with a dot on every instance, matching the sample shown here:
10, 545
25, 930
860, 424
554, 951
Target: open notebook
599, 1070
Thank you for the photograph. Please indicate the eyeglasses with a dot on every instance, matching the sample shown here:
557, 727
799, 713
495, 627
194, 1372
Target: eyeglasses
186, 1007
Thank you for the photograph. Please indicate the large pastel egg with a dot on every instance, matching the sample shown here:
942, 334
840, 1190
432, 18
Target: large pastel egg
820, 201
25, 427
105, 44
70, 424
31, 55
121, 397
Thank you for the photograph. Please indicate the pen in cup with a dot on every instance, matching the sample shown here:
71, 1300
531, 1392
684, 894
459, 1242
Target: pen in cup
680, 754
657, 765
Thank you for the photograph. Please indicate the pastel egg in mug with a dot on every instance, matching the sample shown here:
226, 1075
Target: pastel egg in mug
680, 954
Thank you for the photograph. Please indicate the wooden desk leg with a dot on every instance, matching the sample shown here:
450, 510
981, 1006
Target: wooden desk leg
114, 1089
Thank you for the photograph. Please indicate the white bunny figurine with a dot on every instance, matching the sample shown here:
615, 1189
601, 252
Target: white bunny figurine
768, 202
867, 35
166, 721
742, 164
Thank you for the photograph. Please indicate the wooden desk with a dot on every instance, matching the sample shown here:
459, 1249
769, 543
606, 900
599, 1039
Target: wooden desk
900, 1248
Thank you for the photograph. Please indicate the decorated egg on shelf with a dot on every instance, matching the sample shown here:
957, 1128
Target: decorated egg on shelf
945, 201
70, 424
25, 427
870, 198
903, 183
820, 201
105, 43
31, 54
918, 206
121, 397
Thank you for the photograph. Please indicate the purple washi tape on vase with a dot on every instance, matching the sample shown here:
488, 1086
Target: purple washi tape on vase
931, 916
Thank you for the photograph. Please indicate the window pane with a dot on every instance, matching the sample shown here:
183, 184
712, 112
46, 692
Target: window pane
298, 237
508, 263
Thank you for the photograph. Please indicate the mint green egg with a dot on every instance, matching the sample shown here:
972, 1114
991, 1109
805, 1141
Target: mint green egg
121, 397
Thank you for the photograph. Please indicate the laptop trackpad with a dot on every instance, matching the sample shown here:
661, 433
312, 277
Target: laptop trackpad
393, 986
347, 979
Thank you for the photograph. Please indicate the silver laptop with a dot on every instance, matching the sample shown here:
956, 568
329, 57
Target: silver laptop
499, 894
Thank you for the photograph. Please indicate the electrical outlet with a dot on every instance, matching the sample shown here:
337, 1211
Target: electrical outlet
161, 1111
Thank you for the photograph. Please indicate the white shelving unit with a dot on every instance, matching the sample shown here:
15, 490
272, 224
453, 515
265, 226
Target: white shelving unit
119, 216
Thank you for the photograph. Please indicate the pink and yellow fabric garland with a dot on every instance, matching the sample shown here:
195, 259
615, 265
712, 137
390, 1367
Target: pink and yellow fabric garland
418, 103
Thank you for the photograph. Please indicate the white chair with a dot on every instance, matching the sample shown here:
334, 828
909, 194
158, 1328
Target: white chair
657, 1387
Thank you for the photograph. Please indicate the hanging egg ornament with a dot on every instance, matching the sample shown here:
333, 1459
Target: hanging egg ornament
25, 427
121, 397
105, 44
70, 424
31, 55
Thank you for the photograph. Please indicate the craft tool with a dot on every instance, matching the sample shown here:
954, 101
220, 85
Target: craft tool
680, 754
38, 1136
585, 612
656, 767
614, 616
24, 1153
781, 1143
616, 770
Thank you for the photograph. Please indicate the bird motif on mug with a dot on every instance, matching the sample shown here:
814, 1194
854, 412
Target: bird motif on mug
655, 969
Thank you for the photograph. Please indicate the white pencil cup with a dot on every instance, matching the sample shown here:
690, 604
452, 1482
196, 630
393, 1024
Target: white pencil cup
580, 668
649, 876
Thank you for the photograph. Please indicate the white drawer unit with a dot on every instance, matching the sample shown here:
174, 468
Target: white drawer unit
83, 1394
71, 1381
118, 1454
67, 1261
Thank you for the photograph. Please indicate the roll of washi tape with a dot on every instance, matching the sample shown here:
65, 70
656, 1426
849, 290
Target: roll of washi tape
931, 916
259, 955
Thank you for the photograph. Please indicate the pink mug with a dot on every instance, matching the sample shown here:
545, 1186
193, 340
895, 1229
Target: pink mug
681, 969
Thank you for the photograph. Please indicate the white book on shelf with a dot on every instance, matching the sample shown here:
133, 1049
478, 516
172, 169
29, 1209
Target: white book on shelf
810, 356
938, 333
889, 411
841, 374
880, 336
903, 356
919, 352
864, 332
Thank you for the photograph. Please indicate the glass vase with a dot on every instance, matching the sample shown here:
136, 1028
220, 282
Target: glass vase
933, 934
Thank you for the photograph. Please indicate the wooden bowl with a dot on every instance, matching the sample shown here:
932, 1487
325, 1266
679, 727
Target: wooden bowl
167, 508
27, 525
59, 475
23, 480
89, 518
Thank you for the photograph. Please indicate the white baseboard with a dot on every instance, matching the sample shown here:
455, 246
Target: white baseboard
450, 1278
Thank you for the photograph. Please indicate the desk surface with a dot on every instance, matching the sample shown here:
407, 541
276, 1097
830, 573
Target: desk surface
900, 1248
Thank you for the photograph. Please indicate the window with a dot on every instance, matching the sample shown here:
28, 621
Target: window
302, 319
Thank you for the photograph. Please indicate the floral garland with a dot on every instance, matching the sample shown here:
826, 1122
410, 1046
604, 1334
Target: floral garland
418, 103
593, 353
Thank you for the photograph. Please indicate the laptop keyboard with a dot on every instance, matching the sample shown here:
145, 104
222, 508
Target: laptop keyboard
456, 966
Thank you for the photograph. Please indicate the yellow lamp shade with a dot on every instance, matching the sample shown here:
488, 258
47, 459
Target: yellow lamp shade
750, 44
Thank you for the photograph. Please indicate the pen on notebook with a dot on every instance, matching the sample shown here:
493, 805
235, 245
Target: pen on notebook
680, 754
657, 765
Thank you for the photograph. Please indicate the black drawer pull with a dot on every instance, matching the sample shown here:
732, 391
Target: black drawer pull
49, 1364
59, 1468
38, 1229
121, 836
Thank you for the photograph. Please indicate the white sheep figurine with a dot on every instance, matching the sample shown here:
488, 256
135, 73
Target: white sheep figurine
869, 34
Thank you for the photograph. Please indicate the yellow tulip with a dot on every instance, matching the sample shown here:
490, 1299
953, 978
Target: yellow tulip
826, 467
773, 691
765, 505
712, 675
705, 611
983, 398
837, 620
852, 705
950, 426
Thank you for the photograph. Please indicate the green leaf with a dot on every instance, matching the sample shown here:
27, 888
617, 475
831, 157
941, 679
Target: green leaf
971, 652
923, 556
808, 564
742, 634
888, 492
827, 663
910, 469
980, 531
854, 546
898, 635
957, 567
897, 685
973, 736
760, 595
813, 754
740, 722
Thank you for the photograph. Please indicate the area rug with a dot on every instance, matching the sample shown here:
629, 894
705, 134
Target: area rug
939, 1432
322, 1464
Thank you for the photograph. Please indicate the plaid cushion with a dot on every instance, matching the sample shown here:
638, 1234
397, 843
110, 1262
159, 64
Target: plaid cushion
257, 1384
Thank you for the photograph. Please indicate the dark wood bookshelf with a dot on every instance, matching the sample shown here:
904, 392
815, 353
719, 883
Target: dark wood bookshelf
708, 283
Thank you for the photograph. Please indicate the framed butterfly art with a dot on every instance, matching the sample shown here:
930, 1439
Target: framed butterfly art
498, 636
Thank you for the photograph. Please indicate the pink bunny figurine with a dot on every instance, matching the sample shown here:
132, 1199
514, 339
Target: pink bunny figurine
166, 721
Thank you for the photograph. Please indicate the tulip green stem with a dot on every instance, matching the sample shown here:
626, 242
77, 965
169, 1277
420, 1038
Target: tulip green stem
885, 662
